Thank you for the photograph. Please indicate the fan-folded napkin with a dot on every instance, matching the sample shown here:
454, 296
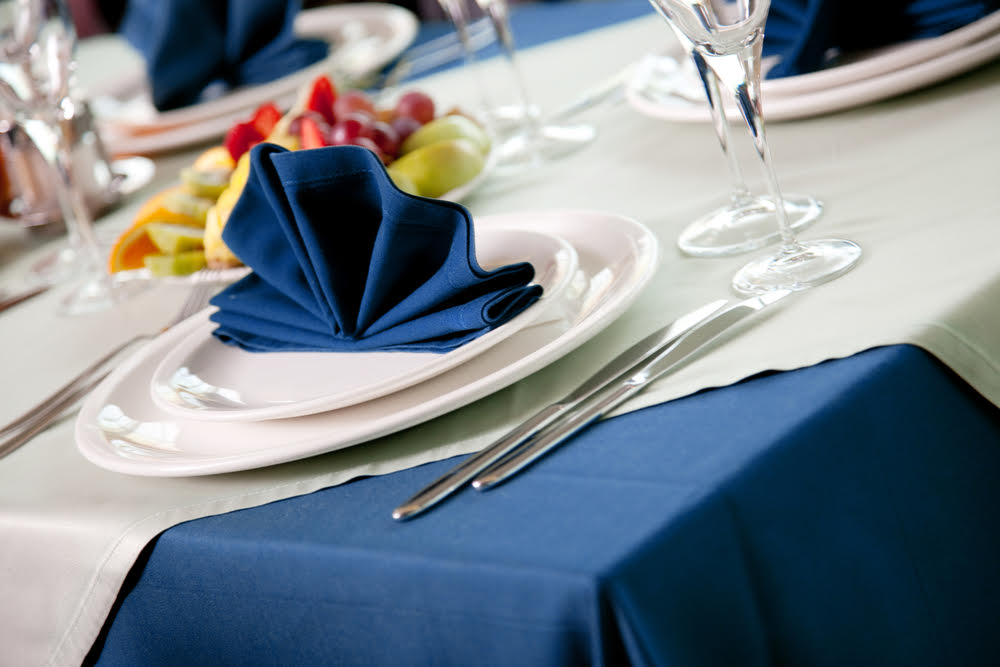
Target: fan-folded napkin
189, 45
806, 33
344, 261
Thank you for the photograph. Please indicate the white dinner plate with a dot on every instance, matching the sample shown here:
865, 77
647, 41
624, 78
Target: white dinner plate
121, 429
203, 378
664, 88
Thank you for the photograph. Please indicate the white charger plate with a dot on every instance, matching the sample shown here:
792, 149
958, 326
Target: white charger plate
202, 378
873, 77
120, 428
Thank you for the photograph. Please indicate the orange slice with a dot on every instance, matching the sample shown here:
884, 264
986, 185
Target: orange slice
134, 243
130, 249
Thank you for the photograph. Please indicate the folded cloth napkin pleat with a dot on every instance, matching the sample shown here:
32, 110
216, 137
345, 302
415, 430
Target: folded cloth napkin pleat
807, 35
344, 261
191, 45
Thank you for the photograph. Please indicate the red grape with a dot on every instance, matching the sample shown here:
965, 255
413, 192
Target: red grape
373, 147
417, 105
386, 138
350, 127
351, 101
295, 127
404, 126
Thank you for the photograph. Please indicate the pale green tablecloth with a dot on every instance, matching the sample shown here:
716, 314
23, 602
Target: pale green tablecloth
913, 180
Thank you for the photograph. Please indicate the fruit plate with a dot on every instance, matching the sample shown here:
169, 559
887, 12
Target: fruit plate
364, 37
120, 428
202, 378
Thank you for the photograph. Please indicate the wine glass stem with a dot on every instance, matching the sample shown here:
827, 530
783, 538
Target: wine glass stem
721, 126
79, 226
497, 12
455, 11
748, 101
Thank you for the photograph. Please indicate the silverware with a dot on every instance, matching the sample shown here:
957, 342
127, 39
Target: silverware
610, 89
9, 300
460, 475
667, 358
39, 417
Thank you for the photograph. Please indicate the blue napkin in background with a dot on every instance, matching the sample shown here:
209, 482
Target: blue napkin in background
802, 32
344, 261
189, 45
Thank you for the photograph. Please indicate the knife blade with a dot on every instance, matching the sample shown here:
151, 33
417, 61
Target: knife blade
10, 300
454, 479
667, 358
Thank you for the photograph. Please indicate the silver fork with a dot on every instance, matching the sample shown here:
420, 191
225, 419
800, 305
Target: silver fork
38, 418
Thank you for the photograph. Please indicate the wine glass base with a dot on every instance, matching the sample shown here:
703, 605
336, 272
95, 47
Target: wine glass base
745, 225
98, 294
801, 266
548, 143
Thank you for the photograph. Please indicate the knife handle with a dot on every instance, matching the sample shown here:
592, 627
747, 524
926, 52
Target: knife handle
548, 440
461, 474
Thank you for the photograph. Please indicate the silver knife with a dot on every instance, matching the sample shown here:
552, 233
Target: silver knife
454, 479
665, 359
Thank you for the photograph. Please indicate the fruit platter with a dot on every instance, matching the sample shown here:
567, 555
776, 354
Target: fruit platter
427, 153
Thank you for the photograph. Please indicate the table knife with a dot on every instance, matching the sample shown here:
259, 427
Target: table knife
665, 359
466, 471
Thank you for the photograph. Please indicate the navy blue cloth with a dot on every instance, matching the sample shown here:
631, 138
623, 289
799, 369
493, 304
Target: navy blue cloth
190, 44
842, 514
344, 261
803, 33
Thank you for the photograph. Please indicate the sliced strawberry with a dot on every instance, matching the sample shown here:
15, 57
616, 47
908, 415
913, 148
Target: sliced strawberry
312, 136
266, 117
321, 98
241, 138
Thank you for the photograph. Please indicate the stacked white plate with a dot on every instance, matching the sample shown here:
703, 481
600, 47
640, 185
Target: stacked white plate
186, 404
363, 38
667, 87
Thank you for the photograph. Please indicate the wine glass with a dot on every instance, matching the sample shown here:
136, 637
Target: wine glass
37, 40
729, 36
526, 139
748, 221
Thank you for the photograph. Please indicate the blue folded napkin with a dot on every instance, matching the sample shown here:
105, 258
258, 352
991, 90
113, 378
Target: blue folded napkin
193, 45
804, 33
344, 261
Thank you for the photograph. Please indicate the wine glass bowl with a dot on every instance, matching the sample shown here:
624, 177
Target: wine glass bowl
525, 137
38, 40
728, 37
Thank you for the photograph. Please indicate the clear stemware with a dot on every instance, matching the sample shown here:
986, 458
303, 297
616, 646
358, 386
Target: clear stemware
748, 221
729, 36
37, 40
527, 139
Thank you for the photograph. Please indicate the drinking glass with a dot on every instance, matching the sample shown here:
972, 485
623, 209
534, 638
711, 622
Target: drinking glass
748, 222
728, 36
37, 41
526, 139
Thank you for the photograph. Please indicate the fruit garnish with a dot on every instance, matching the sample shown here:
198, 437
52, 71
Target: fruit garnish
180, 264
353, 101
266, 118
312, 135
175, 204
405, 126
416, 105
241, 138
206, 182
442, 166
321, 98
448, 127
350, 127
217, 253
129, 250
216, 157
171, 239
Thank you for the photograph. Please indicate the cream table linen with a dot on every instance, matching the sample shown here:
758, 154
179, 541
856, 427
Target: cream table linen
914, 180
